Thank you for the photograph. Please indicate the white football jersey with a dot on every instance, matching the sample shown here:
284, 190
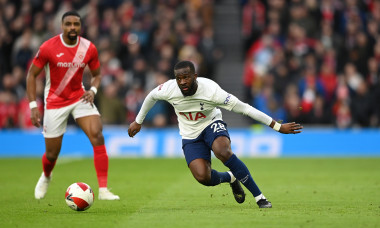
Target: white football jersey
194, 113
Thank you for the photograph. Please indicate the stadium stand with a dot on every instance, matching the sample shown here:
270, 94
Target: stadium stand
316, 62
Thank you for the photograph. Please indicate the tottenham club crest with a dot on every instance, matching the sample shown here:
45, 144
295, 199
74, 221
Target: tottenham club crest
202, 105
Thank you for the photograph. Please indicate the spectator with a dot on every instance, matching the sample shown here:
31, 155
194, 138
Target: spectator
362, 106
111, 107
320, 114
329, 82
253, 21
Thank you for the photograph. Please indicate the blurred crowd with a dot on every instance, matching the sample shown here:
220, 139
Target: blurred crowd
313, 61
138, 43
310, 61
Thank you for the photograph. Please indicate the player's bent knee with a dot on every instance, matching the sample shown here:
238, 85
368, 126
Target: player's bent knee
52, 155
222, 146
204, 181
97, 138
98, 135
223, 155
202, 178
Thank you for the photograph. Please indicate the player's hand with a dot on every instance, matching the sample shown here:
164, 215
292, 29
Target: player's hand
290, 128
35, 117
133, 129
88, 97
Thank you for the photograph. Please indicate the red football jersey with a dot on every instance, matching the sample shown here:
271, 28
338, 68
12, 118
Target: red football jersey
64, 65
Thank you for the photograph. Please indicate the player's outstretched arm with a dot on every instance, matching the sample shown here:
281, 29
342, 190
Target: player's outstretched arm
133, 129
246, 109
148, 103
288, 128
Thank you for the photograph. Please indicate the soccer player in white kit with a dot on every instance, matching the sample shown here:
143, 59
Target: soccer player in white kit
195, 101
64, 58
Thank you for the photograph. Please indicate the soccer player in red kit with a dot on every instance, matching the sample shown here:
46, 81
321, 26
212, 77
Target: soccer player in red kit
64, 58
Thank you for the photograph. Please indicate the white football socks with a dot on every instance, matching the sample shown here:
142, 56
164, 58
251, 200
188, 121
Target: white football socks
233, 178
259, 197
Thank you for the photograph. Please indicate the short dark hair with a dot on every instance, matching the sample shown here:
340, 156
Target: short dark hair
71, 13
185, 64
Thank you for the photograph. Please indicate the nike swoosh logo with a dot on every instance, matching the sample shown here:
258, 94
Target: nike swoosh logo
174, 104
244, 179
60, 54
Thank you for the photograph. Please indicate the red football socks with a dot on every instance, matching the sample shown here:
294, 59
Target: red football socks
101, 165
47, 165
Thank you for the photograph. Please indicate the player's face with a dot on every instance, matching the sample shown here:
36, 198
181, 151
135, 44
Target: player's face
186, 81
71, 27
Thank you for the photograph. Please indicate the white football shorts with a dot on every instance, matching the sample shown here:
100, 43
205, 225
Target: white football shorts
55, 120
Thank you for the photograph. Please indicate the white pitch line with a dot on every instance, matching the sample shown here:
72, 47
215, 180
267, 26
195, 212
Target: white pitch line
61, 161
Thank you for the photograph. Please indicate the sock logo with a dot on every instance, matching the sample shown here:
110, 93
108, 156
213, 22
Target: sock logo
244, 179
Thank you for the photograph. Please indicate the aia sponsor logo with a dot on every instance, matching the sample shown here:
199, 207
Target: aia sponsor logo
71, 65
191, 116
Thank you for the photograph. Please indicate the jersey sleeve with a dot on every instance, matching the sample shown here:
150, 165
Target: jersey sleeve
94, 63
41, 57
224, 99
158, 93
162, 91
247, 110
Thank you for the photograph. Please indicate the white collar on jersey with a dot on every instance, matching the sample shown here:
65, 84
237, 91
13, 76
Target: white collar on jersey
67, 45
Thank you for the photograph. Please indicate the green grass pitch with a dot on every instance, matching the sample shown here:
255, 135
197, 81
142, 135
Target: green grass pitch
159, 193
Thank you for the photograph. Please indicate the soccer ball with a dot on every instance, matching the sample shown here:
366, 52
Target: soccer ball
79, 196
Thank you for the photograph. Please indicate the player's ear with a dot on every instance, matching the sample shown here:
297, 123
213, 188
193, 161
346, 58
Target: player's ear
195, 75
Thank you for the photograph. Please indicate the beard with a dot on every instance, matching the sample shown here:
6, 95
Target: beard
72, 38
192, 89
